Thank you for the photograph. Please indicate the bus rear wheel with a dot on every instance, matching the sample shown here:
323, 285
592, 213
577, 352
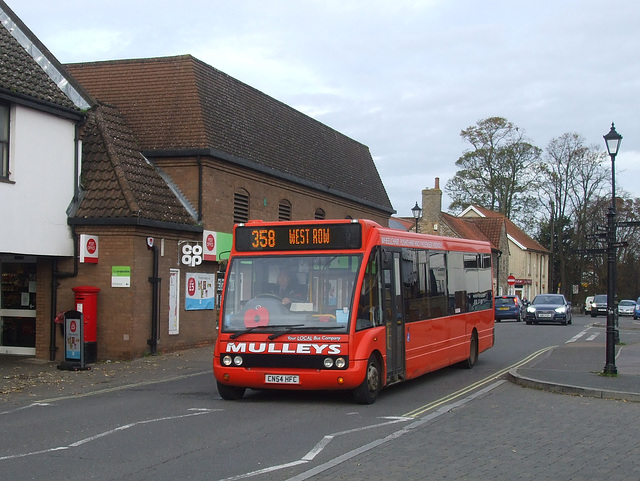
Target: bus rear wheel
473, 352
367, 392
230, 393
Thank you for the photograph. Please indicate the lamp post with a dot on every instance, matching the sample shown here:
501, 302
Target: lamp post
416, 211
612, 140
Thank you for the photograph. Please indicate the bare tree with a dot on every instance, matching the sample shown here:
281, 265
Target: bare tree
574, 179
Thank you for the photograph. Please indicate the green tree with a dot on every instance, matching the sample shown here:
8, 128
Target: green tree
498, 172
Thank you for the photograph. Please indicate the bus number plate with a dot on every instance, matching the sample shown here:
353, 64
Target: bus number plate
281, 379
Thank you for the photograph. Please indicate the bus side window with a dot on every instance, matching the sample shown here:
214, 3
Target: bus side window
369, 303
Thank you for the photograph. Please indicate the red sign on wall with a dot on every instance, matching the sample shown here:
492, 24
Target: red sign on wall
89, 248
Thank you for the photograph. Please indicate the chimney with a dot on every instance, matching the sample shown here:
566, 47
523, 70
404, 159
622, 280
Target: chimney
431, 209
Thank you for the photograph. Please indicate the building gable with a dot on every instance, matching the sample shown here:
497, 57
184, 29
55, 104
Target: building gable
30, 74
514, 233
119, 184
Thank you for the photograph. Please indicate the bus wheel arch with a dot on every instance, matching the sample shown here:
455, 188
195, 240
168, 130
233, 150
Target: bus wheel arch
230, 393
473, 351
367, 392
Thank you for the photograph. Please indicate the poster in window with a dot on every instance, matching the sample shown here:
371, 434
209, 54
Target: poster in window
200, 291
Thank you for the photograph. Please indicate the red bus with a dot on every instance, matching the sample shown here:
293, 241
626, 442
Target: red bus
349, 305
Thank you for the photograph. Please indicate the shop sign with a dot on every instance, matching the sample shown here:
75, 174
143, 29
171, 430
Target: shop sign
210, 241
120, 276
192, 255
88, 248
216, 245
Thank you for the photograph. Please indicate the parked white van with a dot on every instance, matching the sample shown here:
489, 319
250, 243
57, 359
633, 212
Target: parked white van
587, 304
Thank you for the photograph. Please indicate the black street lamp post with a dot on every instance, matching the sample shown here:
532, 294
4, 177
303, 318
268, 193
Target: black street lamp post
416, 211
612, 139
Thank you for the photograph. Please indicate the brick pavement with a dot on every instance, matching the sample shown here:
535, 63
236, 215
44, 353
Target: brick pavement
511, 433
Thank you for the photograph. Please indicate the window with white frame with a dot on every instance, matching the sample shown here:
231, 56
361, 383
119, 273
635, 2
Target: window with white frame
4, 140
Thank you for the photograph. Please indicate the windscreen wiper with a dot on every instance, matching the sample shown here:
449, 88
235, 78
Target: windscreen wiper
299, 328
236, 335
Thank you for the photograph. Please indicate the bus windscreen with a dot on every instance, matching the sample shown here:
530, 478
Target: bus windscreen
298, 292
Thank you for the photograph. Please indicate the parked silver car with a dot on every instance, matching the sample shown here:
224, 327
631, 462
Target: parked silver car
626, 307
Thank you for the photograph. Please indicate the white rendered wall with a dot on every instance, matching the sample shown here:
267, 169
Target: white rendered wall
33, 217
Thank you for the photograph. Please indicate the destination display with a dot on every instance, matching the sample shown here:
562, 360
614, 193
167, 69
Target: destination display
298, 237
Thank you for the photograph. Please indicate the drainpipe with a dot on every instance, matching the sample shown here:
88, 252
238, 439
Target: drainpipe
199, 188
498, 274
55, 274
155, 280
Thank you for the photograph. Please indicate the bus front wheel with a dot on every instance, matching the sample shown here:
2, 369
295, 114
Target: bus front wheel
367, 392
230, 393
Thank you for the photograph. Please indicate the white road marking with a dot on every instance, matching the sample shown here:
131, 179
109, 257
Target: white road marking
584, 333
107, 433
317, 449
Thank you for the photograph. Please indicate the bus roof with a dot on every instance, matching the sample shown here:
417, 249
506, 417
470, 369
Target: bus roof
339, 236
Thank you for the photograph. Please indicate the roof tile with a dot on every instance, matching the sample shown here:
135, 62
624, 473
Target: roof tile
20, 74
176, 103
117, 180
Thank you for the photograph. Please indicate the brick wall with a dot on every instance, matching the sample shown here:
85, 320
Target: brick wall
221, 179
125, 313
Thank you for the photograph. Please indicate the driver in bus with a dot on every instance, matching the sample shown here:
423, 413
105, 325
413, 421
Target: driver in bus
285, 288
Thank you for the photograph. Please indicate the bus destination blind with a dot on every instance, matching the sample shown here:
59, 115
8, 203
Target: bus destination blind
298, 237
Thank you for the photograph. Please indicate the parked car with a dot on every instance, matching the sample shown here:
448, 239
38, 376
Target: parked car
599, 305
587, 304
549, 308
626, 307
636, 310
508, 307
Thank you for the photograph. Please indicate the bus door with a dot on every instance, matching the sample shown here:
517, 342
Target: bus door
393, 314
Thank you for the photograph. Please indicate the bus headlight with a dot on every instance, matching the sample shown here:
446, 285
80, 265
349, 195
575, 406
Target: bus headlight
227, 360
328, 362
237, 360
340, 363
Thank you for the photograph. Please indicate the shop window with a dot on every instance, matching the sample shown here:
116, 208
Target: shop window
18, 286
4, 141
284, 210
240, 206
18, 305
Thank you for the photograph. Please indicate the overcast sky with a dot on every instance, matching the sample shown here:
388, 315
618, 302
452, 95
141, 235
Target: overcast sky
402, 77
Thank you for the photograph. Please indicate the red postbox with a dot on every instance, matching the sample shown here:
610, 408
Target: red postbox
87, 304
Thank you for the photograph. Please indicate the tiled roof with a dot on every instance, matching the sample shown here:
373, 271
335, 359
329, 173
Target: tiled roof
21, 76
512, 230
402, 223
475, 229
180, 104
118, 183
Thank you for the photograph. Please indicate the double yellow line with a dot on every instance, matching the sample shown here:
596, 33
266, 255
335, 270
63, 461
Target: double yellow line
476, 385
